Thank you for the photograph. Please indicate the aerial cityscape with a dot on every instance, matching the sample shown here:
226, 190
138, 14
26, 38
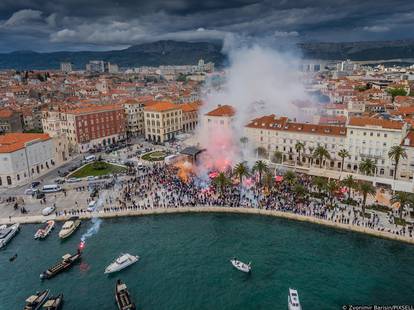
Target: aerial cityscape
215, 155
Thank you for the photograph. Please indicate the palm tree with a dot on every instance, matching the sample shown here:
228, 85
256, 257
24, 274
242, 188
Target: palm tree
367, 166
396, 153
260, 167
299, 191
350, 183
311, 148
241, 170
320, 153
332, 187
365, 188
343, 154
299, 146
320, 183
289, 177
404, 199
221, 181
277, 157
268, 180
244, 140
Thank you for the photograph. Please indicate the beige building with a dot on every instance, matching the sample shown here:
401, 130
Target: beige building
220, 117
189, 116
134, 112
163, 121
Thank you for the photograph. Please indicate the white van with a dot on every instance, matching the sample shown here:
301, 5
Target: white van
89, 158
52, 188
92, 206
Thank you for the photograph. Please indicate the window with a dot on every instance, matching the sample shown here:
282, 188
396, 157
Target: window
9, 181
385, 135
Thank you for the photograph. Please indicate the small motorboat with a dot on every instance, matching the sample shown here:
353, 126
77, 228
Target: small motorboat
7, 233
34, 302
241, 266
123, 299
69, 227
43, 232
67, 261
54, 303
121, 262
11, 259
293, 300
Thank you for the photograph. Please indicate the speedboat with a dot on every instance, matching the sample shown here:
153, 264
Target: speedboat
293, 300
123, 299
69, 227
121, 262
43, 232
54, 303
240, 265
34, 302
7, 233
67, 261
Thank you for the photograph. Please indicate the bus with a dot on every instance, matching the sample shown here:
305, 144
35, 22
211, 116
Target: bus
89, 158
52, 188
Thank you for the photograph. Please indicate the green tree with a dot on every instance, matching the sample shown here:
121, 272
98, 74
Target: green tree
221, 181
299, 147
300, 191
350, 183
343, 154
289, 177
277, 157
395, 154
404, 199
367, 166
332, 188
396, 91
241, 170
320, 183
268, 180
321, 153
260, 167
365, 188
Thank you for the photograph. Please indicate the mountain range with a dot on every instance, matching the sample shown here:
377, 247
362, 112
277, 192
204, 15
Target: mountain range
179, 53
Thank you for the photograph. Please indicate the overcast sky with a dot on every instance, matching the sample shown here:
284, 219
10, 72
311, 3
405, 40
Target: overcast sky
50, 25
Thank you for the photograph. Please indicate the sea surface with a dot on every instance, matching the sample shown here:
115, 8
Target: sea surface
185, 265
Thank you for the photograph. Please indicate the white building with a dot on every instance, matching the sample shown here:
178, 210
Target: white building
25, 156
66, 67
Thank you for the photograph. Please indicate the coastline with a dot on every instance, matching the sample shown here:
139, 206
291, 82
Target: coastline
291, 216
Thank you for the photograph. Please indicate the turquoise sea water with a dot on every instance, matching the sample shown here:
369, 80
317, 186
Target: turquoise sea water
185, 265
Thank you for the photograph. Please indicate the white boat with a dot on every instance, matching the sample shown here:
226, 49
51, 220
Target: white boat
121, 262
293, 300
7, 233
43, 232
240, 265
69, 227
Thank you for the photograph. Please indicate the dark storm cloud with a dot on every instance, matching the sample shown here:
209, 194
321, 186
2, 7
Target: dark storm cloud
100, 24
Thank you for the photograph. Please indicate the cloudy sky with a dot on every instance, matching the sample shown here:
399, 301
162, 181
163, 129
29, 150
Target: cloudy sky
50, 25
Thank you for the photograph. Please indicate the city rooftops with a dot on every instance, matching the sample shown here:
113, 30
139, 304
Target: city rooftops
11, 142
161, 106
271, 122
376, 122
90, 109
222, 110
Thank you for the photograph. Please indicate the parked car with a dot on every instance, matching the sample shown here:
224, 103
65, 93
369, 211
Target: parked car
30, 191
140, 166
72, 180
48, 210
92, 178
92, 206
35, 184
59, 181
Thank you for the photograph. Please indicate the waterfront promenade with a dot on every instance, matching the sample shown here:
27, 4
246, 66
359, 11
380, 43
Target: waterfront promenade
211, 209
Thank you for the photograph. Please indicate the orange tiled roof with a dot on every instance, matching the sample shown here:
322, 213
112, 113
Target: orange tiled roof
94, 109
369, 121
11, 142
6, 113
161, 106
222, 110
270, 122
189, 107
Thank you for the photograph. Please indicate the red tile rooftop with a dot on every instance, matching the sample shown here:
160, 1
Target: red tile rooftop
160, 106
11, 142
369, 121
222, 110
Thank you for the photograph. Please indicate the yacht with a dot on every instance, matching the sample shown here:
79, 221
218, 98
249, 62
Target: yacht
122, 297
240, 265
121, 262
54, 303
34, 302
7, 233
43, 232
293, 300
69, 227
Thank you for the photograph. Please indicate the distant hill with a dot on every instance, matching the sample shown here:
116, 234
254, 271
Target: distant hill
178, 53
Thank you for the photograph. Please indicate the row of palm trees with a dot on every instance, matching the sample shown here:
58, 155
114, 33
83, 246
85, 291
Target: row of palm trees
323, 185
367, 165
